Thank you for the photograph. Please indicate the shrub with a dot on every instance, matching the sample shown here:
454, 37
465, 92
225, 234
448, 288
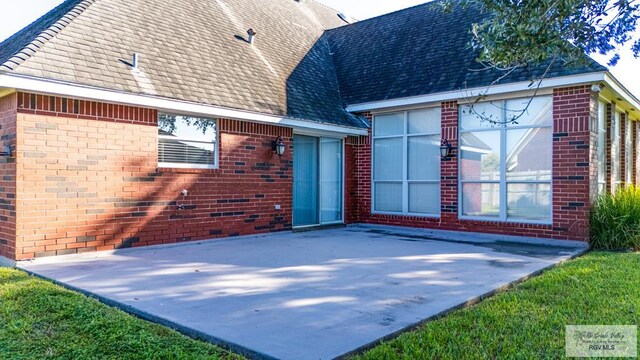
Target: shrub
615, 220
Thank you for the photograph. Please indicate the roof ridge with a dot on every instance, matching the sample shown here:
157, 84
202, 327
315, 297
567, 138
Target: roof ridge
32, 46
427, 3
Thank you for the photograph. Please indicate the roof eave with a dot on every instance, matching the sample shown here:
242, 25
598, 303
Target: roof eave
485, 91
618, 93
59, 88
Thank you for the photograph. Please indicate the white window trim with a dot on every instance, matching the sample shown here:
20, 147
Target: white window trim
602, 135
617, 161
216, 157
405, 168
502, 217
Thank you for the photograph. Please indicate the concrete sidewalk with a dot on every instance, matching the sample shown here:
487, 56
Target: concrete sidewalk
310, 295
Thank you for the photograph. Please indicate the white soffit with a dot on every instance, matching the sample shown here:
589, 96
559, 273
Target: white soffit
52, 87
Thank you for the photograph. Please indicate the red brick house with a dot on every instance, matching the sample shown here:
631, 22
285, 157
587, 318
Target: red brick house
147, 122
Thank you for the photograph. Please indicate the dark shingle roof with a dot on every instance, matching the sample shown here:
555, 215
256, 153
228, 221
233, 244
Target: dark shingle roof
417, 51
194, 50
191, 50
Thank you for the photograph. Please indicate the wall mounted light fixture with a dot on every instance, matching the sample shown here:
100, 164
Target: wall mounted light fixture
445, 149
278, 146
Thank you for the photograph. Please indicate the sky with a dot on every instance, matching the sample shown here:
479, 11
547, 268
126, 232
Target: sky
22, 13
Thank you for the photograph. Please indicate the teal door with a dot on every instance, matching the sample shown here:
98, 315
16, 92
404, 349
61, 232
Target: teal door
317, 180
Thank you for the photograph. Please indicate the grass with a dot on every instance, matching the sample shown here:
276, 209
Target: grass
528, 321
40, 320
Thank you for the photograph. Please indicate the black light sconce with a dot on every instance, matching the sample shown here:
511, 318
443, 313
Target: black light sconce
445, 149
6, 151
278, 146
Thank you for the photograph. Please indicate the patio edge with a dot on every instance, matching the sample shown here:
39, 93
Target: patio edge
466, 304
184, 330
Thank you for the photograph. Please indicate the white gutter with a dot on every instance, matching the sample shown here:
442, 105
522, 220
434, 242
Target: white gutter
53, 87
474, 92
622, 91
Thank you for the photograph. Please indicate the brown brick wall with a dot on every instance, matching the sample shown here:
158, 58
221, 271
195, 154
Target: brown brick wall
88, 185
573, 115
8, 115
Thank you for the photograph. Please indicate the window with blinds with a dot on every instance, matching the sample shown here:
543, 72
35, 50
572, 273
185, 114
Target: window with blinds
187, 142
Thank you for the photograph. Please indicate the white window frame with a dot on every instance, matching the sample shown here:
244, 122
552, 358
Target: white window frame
405, 168
602, 145
216, 154
617, 141
503, 182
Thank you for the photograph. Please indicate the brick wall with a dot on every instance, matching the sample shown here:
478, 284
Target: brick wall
574, 111
88, 181
8, 106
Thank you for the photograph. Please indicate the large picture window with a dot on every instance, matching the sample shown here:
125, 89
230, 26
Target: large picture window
406, 162
505, 167
187, 142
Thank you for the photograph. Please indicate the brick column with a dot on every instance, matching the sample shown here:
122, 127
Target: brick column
449, 166
8, 116
572, 113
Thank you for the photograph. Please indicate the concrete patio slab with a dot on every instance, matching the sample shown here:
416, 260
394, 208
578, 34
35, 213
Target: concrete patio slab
308, 295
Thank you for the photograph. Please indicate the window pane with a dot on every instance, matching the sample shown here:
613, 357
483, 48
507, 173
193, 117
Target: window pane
529, 154
481, 199
185, 152
539, 112
424, 198
480, 155
330, 180
388, 197
424, 121
387, 159
481, 116
388, 125
424, 157
529, 201
618, 148
188, 128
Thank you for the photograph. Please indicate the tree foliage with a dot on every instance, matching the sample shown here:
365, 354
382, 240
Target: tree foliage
167, 123
522, 32
517, 34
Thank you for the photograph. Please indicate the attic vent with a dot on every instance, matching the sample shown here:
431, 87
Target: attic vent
252, 35
344, 18
134, 61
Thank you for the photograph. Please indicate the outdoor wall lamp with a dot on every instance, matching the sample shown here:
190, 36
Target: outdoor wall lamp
445, 149
278, 146
6, 151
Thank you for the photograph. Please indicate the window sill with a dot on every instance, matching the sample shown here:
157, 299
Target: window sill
510, 222
184, 170
427, 216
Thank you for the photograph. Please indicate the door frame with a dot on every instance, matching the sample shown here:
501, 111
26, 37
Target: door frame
321, 135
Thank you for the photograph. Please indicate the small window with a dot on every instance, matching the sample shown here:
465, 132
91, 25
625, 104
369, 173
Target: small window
187, 142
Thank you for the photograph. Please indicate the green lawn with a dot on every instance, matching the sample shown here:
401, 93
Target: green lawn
40, 320
528, 321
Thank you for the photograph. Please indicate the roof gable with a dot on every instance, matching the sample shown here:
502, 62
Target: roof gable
418, 51
193, 50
